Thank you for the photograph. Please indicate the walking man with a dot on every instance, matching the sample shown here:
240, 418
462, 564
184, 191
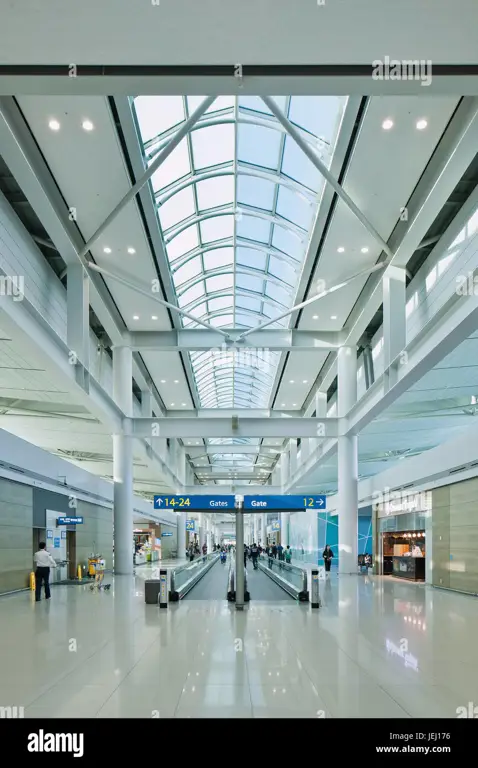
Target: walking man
43, 561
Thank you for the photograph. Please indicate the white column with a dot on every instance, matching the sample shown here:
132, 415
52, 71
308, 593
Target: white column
394, 317
347, 464
292, 456
263, 529
123, 464
181, 535
78, 322
284, 528
284, 468
208, 535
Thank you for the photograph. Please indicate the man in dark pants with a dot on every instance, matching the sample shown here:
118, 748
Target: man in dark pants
43, 561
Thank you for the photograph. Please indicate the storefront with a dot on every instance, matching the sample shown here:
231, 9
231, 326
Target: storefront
404, 554
402, 546
147, 545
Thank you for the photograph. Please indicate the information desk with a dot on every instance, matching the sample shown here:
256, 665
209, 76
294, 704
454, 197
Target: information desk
412, 568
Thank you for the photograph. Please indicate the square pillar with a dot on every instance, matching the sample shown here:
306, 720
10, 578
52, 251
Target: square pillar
78, 323
394, 320
347, 464
292, 456
123, 464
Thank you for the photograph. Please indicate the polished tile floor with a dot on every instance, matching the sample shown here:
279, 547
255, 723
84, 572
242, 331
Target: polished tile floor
376, 648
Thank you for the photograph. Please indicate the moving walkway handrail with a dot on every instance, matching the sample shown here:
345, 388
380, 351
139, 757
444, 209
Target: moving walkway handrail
301, 594
198, 567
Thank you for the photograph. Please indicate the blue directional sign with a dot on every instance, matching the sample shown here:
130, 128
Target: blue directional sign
275, 525
69, 520
191, 525
259, 503
186, 503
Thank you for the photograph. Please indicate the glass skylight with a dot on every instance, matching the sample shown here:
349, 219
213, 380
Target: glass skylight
236, 201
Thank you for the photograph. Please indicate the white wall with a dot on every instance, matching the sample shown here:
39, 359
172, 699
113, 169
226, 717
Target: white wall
28, 464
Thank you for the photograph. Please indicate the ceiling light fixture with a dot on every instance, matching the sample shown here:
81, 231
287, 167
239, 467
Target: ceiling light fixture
135, 317
304, 381
387, 124
87, 125
421, 124
107, 250
291, 381
364, 250
176, 381
294, 405
183, 404
131, 251
54, 125
341, 249
282, 405
154, 317
163, 381
172, 405
315, 317
333, 317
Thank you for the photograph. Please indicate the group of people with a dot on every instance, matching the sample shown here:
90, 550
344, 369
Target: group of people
273, 551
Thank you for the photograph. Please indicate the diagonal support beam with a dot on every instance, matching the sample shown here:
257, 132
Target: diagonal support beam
196, 340
305, 147
159, 160
150, 295
318, 296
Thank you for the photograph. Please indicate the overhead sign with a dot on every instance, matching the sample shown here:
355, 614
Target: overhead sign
194, 502
190, 525
69, 520
261, 503
168, 533
275, 525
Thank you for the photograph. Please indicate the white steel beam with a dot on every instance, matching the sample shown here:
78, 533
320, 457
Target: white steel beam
212, 340
231, 427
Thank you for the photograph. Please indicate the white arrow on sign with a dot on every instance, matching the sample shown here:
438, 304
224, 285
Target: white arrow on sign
321, 502
160, 501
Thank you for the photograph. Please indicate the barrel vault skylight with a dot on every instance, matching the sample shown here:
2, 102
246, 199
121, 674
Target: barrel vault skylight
236, 202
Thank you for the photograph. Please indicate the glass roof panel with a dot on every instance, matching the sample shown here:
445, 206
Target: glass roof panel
253, 228
222, 182
177, 208
251, 258
255, 191
259, 146
191, 269
184, 242
213, 145
214, 192
295, 207
217, 228
219, 257
174, 167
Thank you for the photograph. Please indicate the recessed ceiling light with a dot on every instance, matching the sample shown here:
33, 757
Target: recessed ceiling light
107, 250
176, 381
154, 317
304, 381
135, 317
364, 250
131, 251
282, 405
387, 124
54, 125
315, 317
421, 124
183, 404
172, 405
291, 381
163, 381
341, 249
87, 125
294, 405
333, 317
